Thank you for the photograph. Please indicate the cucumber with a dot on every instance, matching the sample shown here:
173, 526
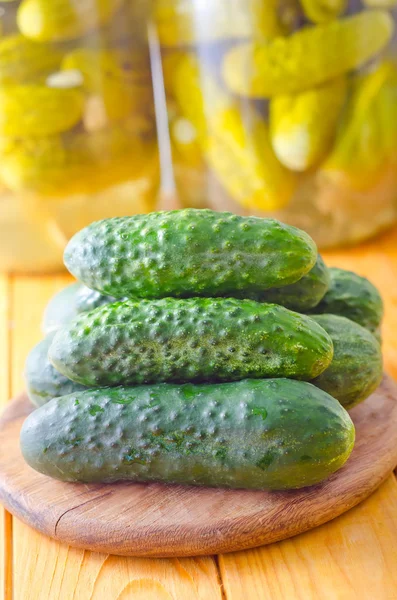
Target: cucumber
353, 297
196, 339
43, 381
356, 369
302, 295
188, 252
70, 302
262, 434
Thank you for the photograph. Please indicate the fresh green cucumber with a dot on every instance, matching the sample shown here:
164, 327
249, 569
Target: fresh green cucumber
353, 297
264, 434
43, 381
195, 339
68, 303
302, 295
188, 252
356, 369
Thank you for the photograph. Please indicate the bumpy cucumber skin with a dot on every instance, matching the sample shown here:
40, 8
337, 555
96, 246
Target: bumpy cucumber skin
262, 434
196, 339
72, 300
188, 252
353, 297
302, 295
43, 381
356, 369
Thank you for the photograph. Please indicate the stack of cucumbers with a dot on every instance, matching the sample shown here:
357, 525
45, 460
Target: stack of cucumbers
201, 348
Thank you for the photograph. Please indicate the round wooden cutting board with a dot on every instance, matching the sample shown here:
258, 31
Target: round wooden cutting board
158, 520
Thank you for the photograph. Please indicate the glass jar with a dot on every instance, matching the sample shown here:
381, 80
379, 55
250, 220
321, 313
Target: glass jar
284, 108
77, 126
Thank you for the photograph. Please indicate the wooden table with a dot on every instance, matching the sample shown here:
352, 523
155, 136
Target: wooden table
353, 557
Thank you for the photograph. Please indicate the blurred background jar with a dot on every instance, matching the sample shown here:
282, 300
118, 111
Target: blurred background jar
77, 127
284, 108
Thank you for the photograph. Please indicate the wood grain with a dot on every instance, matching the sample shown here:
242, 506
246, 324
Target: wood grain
158, 520
72, 574
43, 569
28, 296
350, 558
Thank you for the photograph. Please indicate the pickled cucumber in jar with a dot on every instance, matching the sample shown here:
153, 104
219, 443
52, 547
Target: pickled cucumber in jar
62, 20
308, 58
367, 139
303, 126
36, 110
77, 162
234, 140
24, 61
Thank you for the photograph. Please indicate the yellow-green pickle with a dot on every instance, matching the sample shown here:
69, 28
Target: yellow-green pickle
280, 108
300, 134
58, 20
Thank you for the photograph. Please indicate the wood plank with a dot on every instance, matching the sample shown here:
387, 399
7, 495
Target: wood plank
76, 574
352, 557
5, 517
25, 321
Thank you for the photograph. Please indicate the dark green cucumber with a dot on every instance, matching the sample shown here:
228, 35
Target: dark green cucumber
302, 295
43, 381
356, 369
195, 339
188, 253
353, 297
263, 434
70, 302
